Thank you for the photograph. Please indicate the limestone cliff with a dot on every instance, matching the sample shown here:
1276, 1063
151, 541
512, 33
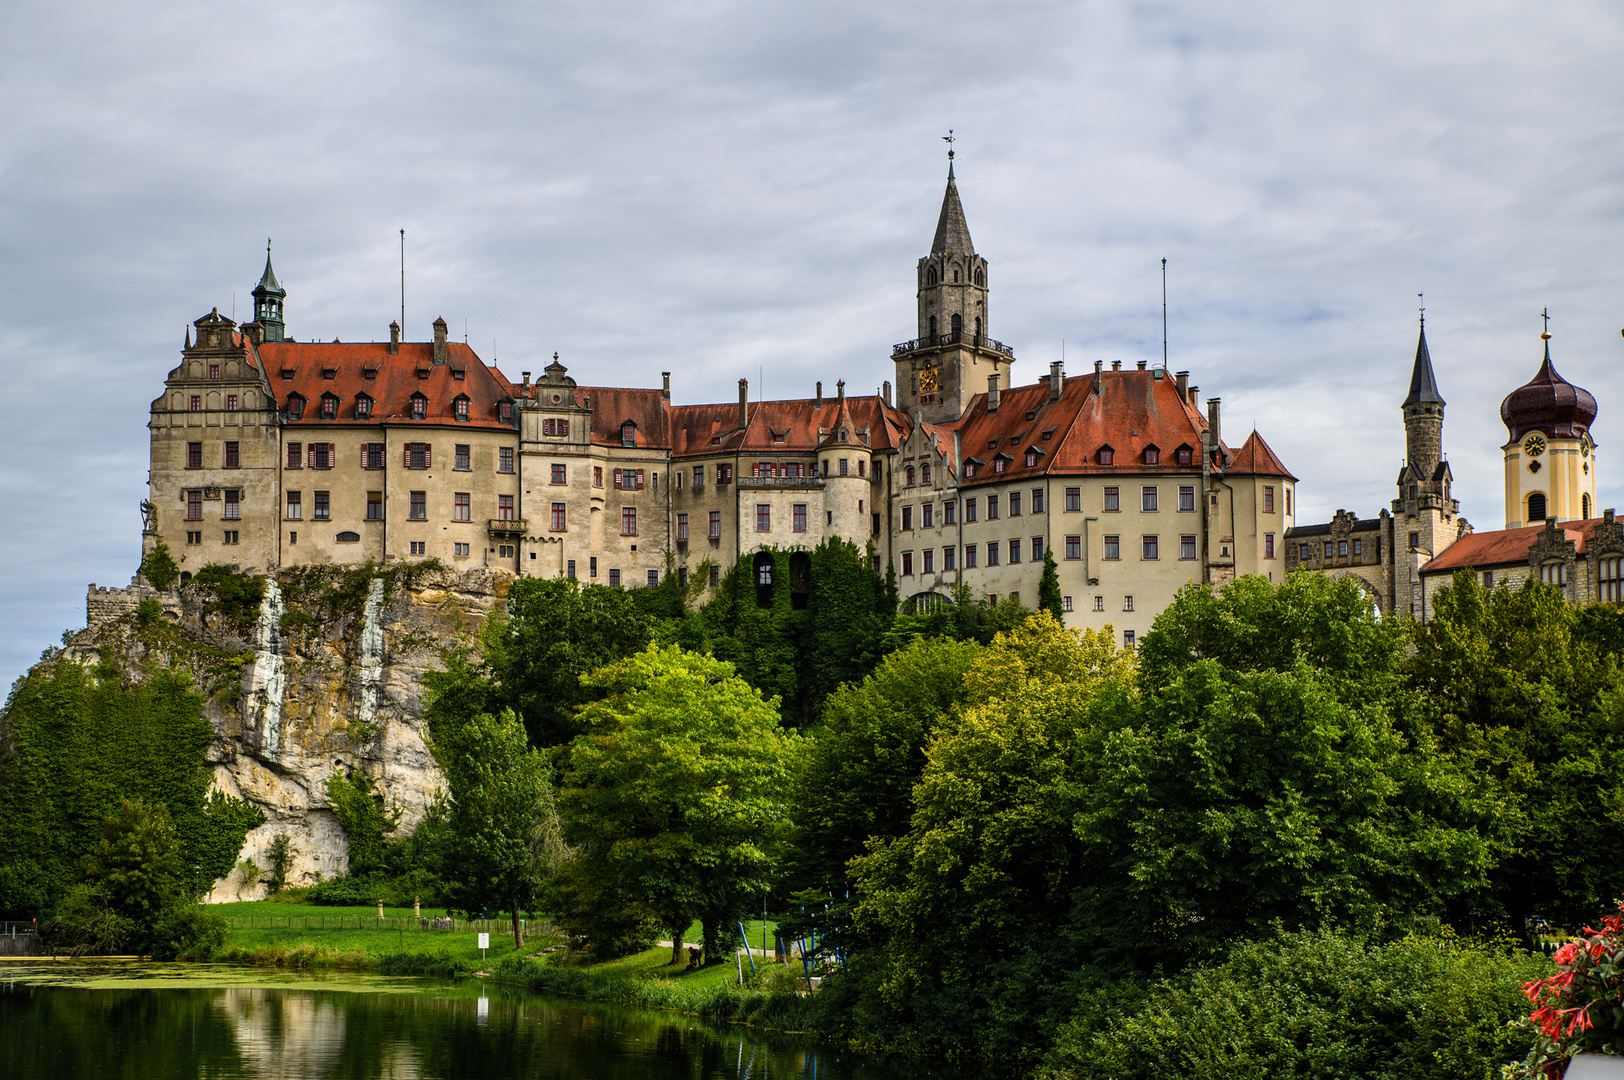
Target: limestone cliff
323, 675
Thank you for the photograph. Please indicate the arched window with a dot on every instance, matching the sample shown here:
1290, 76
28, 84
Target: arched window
1554, 573
981, 277
1584, 505
924, 474
1612, 579
955, 275
763, 567
910, 476
930, 276
958, 324
1536, 508
628, 434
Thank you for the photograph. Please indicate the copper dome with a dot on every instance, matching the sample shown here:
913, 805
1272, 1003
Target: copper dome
1548, 403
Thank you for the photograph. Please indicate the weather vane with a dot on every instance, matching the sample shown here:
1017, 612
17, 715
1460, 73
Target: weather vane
948, 139
1546, 315
1423, 298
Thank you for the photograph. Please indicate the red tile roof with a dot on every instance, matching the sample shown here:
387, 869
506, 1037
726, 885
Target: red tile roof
780, 426
1254, 458
1505, 547
392, 386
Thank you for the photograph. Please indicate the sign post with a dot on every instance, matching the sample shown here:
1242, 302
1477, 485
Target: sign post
484, 943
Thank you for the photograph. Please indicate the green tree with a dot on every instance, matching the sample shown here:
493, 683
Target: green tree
158, 567
1529, 691
502, 824
676, 794
555, 630
358, 804
1049, 598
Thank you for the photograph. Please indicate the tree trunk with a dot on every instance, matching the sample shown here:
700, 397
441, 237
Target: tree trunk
677, 933
518, 929
711, 938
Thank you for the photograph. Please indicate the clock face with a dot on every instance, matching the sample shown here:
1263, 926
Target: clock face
1584, 445
1534, 446
927, 381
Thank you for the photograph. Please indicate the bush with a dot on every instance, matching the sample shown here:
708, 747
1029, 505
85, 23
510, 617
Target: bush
236, 596
158, 567
1321, 1004
1580, 1008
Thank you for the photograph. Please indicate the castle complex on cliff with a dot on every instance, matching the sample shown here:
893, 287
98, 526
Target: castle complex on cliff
268, 452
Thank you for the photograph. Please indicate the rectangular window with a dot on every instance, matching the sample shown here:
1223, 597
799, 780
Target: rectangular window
374, 506
555, 429
1037, 500
628, 521
231, 455
614, 579
1288, 502
1341, 547
1127, 603
620, 479
461, 458
929, 560
1113, 547
295, 506
948, 558
592, 566
993, 553
461, 551
1268, 545
214, 371
1358, 547
682, 528
1065, 603
1014, 504
764, 517
194, 455
231, 403
798, 518
419, 547
1099, 603
1328, 547
321, 455
1113, 500
715, 575
504, 459
1147, 499
1074, 499
597, 476
504, 507
1074, 547
197, 402
653, 578
569, 568
197, 537
969, 511
715, 525
907, 519
324, 507
1151, 547
950, 513
927, 516
970, 556
1127, 639
1037, 548
992, 508
233, 507
699, 477
1187, 547
418, 455
1415, 542
559, 474
1187, 498
232, 536
844, 470
874, 526
1302, 552
1014, 552
372, 455
907, 564
1268, 499
462, 506
420, 506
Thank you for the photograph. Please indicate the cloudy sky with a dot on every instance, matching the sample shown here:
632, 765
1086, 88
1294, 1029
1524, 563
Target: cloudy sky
731, 189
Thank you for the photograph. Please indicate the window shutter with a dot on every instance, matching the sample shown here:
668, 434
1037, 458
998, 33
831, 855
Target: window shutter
310, 455
617, 480
428, 455
406, 457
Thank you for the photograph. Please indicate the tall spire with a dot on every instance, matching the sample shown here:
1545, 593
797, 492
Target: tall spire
1423, 387
268, 297
952, 234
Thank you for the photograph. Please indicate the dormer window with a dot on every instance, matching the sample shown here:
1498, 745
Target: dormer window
778, 436
1047, 435
459, 408
1031, 458
459, 373
369, 373
363, 407
296, 406
329, 373
1153, 456
970, 466
287, 373
1183, 455
420, 406
329, 406
843, 436
504, 411
1032, 415
628, 434
1105, 455
1000, 463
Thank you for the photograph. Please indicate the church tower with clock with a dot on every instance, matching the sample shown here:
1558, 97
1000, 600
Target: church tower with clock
1550, 457
954, 358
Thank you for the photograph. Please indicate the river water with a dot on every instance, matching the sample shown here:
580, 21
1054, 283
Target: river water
63, 1021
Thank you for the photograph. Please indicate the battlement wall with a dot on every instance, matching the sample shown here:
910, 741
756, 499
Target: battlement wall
105, 603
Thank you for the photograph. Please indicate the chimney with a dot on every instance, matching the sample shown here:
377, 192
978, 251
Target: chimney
1141, 365
439, 342
840, 390
1183, 378
1098, 364
744, 403
1212, 422
394, 337
526, 375
1116, 365
992, 393
1057, 381
820, 393
1195, 395
885, 392
666, 391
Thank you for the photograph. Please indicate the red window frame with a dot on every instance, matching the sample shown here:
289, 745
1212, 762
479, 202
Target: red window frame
232, 455
461, 506
504, 508
194, 505
560, 516
560, 474
715, 525
798, 518
194, 455
628, 521
764, 517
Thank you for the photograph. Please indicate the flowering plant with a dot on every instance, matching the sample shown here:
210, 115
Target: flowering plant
1581, 1007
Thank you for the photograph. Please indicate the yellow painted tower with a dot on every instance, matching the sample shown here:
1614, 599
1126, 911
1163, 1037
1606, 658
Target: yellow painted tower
1550, 457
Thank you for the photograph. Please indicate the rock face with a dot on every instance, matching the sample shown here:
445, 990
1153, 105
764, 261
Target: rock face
324, 677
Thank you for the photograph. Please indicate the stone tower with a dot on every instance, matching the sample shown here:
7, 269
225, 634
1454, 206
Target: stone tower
1550, 458
268, 298
953, 357
1426, 519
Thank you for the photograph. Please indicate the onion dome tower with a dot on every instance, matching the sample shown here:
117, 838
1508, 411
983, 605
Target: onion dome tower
1550, 457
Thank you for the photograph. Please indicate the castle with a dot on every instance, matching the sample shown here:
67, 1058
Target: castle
268, 452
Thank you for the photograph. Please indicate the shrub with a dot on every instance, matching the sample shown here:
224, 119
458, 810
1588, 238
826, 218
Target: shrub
1581, 1007
158, 567
280, 854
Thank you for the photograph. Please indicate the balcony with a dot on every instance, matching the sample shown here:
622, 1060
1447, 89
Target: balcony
506, 527
973, 340
780, 483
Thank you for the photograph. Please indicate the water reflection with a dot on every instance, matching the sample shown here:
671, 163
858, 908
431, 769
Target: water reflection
382, 1030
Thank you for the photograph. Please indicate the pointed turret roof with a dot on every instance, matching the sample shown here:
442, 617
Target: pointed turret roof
1423, 387
952, 234
267, 280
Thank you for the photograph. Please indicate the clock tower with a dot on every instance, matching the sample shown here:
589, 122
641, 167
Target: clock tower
1550, 455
